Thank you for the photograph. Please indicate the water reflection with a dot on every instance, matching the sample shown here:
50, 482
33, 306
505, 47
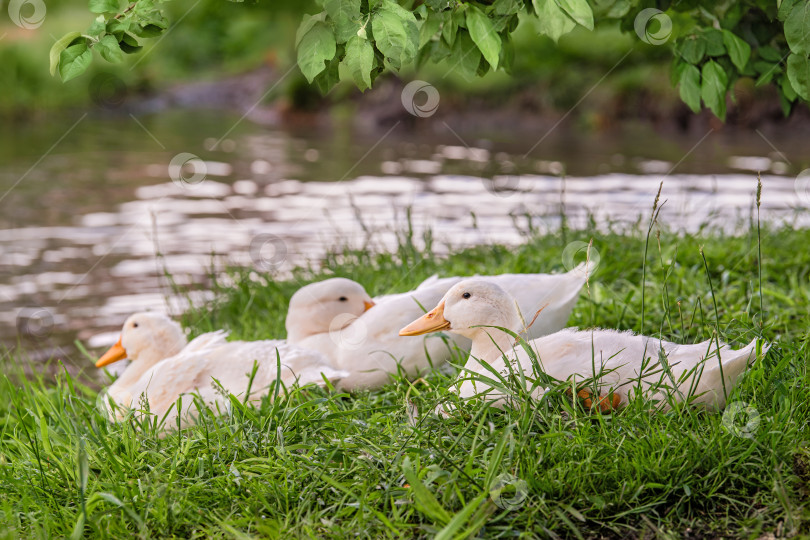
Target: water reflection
88, 236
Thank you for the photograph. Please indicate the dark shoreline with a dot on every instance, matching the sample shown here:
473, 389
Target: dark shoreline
257, 94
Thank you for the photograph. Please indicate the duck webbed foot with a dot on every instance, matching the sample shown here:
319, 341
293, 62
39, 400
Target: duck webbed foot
606, 403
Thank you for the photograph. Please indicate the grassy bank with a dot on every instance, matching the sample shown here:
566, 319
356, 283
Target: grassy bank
315, 463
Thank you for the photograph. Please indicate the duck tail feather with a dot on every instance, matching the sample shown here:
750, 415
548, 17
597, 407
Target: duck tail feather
742, 358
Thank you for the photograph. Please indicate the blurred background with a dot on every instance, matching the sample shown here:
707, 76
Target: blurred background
208, 148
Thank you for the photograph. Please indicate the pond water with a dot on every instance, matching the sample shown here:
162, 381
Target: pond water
94, 209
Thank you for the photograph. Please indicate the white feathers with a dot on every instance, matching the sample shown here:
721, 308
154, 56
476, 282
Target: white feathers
209, 367
622, 362
369, 348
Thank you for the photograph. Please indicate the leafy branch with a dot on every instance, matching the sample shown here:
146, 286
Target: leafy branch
713, 43
111, 34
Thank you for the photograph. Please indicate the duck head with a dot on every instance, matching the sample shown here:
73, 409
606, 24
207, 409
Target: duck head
146, 338
314, 307
471, 308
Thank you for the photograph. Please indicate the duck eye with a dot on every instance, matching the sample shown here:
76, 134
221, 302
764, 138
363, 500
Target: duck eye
466, 295
134, 325
343, 299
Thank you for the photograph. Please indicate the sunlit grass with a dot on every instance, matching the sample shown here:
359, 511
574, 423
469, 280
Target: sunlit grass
375, 464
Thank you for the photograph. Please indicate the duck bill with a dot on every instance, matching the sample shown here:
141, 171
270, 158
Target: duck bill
116, 353
367, 305
432, 321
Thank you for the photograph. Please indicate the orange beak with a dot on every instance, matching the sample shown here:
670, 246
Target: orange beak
368, 304
432, 321
116, 353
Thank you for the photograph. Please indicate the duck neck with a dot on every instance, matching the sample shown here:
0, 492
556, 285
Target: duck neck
296, 328
140, 365
488, 344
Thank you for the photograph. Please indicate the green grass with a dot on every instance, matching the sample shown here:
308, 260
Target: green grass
318, 463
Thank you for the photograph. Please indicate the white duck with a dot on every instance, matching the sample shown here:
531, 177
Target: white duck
325, 317
473, 307
164, 366
320, 307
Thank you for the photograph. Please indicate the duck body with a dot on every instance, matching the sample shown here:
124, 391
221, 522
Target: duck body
209, 366
619, 363
229, 365
369, 349
624, 364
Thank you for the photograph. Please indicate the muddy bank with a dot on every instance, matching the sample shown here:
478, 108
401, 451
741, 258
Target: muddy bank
269, 96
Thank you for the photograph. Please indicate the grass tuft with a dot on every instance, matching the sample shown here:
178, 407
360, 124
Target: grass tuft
319, 463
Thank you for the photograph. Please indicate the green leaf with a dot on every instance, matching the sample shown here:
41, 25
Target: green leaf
770, 54
109, 49
785, 8
507, 55
330, 76
345, 16
483, 67
129, 44
786, 104
505, 22
429, 28
306, 25
452, 529
497, 456
787, 88
128, 48
692, 49
714, 42
505, 7
767, 70
579, 10
552, 21
83, 466
738, 50
425, 500
118, 27
798, 72
787, 95
109, 497
78, 529
396, 37
316, 47
156, 19
459, 16
761, 66
438, 50
74, 60
98, 26
407, 16
149, 31
612, 9
689, 86
713, 88
57, 48
732, 15
450, 29
484, 36
104, 6
438, 5
465, 56
797, 29
359, 60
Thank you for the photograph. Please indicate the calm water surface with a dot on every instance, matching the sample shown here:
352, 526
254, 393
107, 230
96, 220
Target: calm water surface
92, 211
